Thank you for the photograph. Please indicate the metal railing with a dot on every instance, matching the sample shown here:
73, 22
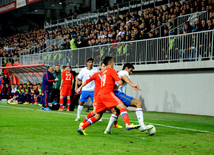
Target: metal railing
179, 28
195, 46
180, 21
99, 14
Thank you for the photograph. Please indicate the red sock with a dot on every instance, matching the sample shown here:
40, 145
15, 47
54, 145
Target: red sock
90, 114
89, 122
61, 103
68, 103
124, 115
36, 101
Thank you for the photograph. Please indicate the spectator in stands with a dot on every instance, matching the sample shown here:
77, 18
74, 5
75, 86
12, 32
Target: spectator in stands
210, 25
204, 25
198, 25
194, 47
73, 42
64, 45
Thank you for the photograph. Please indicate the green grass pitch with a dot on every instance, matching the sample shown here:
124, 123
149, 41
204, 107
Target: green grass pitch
25, 129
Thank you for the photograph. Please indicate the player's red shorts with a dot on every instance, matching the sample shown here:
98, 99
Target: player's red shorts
66, 90
106, 101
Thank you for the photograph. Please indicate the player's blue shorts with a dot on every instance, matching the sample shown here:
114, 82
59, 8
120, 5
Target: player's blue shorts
85, 95
123, 97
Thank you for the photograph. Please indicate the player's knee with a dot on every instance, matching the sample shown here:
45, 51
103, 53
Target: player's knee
121, 105
136, 103
113, 111
81, 103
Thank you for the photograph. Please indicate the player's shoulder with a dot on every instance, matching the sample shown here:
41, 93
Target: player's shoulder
95, 69
123, 72
83, 69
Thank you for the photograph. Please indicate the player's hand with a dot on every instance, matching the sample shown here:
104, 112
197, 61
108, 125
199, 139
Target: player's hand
54, 84
78, 90
56, 80
136, 87
60, 88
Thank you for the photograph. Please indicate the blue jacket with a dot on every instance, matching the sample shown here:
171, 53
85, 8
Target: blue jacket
47, 80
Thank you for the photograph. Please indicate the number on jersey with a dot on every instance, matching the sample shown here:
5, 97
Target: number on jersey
103, 81
68, 77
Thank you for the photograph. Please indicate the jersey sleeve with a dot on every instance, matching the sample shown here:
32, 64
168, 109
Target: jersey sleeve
124, 73
47, 79
63, 76
92, 77
115, 75
80, 75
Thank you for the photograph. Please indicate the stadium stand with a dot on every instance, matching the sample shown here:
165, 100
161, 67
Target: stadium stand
161, 21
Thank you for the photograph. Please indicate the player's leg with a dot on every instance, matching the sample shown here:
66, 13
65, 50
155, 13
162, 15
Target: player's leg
46, 94
35, 99
68, 102
91, 94
90, 114
139, 113
125, 117
116, 125
112, 119
91, 121
100, 107
83, 98
68, 97
61, 103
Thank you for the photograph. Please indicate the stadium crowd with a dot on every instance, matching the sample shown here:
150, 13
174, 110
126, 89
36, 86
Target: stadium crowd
114, 30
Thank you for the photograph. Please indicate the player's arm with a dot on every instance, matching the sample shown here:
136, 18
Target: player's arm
85, 83
127, 80
76, 83
62, 80
79, 77
116, 77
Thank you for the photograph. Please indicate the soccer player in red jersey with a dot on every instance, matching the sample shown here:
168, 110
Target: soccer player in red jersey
67, 81
106, 98
97, 78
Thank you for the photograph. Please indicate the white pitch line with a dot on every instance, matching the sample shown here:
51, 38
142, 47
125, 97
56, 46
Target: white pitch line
169, 126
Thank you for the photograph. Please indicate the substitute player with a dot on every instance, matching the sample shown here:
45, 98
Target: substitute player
106, 98
67, 81
127, 100
87, 91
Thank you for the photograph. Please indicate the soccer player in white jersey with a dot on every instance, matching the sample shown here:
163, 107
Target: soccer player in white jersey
88, 90
127, 100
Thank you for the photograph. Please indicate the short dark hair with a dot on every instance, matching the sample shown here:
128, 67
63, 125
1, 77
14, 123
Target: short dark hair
90, 59
48, 67
106, 60
63, 67
129, 65
69, 67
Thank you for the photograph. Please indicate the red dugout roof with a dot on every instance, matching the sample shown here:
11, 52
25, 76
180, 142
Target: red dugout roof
26, 73
26, 68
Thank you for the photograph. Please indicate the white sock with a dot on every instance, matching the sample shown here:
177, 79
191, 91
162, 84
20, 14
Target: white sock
139, 114
112, 119
80, 107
